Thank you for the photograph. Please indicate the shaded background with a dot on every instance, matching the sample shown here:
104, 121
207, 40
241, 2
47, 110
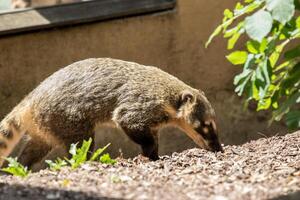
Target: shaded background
172, 40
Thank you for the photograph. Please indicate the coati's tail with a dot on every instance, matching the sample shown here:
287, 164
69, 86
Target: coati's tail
10, 135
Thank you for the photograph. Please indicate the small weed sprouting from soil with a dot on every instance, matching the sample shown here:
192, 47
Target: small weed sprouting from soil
98, 152
15, 168
79, 156
57, 164
106, 159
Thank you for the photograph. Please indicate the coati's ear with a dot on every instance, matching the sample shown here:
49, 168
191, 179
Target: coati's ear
186, 97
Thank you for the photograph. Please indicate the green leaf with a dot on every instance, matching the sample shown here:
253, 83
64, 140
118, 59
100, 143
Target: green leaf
255, 91
79, 155
293, 78
238, 6
298, 22
259, 74
253, 46
292, 53
285, 106
105, 159
258, 25
15, 168
263, 45
237, 57
282, 10
276, 54
243, 79
264, 104
267, 71
250, 62
241, 87
228, 14
233, 40
98, 152
216, 32
251, 7
235, 30
241, 76
57, 164
293, 119
230, 32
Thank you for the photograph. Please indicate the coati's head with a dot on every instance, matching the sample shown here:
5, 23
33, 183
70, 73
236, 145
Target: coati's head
197, 118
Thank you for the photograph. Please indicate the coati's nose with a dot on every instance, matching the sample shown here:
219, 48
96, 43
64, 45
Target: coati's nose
216, 147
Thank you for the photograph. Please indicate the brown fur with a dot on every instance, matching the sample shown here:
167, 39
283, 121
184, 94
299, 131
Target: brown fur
67, 106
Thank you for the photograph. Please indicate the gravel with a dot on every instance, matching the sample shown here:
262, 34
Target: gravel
263, 169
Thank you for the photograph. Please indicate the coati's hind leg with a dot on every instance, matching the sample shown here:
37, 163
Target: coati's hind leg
19, 148
147, 139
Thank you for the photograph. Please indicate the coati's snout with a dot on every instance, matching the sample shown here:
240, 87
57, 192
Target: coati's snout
199, 120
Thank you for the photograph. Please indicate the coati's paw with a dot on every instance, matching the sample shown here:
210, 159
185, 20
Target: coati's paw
153, 157
151, 152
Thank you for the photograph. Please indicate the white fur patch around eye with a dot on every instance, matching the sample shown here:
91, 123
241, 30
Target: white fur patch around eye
207, 123
196, 124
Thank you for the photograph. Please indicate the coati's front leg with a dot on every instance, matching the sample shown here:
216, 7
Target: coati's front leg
37, 151
34, 150
140, 121
147, 139
53, 154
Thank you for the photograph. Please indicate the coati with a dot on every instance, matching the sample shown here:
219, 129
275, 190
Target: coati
67, 107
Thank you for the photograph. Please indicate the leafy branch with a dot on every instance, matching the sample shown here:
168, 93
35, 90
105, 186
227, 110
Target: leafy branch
271, 72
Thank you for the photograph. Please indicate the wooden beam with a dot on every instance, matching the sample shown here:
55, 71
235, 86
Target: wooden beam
76, 13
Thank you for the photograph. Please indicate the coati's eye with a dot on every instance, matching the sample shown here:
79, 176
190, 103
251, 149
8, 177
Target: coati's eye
196, 124
205, 129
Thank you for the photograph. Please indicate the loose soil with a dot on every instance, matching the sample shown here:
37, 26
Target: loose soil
267, 168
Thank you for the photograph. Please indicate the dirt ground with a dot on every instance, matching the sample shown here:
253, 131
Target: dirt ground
267, 168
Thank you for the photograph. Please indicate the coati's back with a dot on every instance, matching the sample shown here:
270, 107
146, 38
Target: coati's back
89, 91
66, 107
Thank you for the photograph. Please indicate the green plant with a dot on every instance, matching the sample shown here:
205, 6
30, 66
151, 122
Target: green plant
106, 159
271, 72
57, 164
15, 168
79, 155
98, 152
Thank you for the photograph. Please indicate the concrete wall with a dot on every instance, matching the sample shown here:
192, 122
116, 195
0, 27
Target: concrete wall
173, 41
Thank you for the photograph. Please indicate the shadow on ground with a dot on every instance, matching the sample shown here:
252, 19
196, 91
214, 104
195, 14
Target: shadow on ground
21, 192
291, 196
